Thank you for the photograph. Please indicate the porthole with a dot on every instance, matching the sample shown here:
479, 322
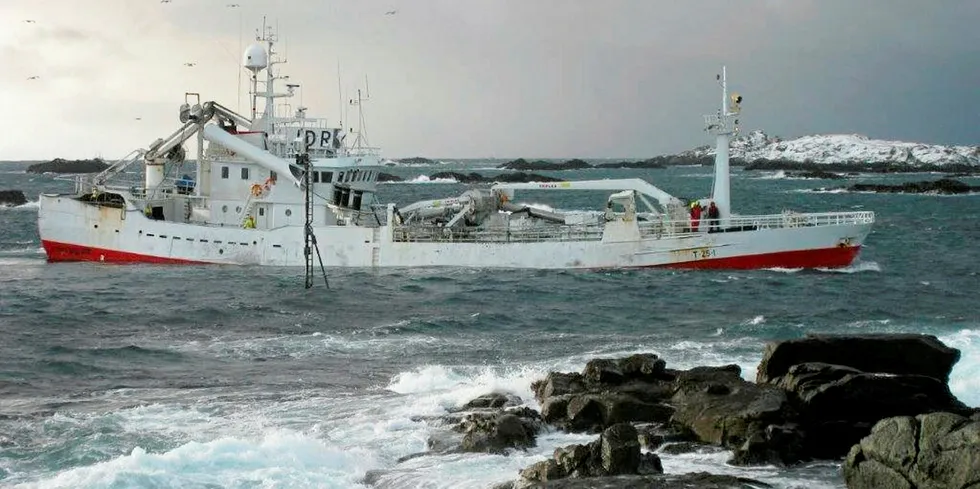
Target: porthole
224, 208
221, 251
238, 208
289, 212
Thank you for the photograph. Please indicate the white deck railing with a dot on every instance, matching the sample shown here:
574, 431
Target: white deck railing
648, 229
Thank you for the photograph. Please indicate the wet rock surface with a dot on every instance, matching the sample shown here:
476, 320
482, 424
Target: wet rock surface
937, 450
815, 398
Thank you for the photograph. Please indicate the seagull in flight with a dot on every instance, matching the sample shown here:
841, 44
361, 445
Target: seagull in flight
232, 5
391, 12
139, 118
35, 77
164, 1
190, 64
30, 21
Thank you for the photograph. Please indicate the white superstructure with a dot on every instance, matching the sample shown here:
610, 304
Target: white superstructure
246, 204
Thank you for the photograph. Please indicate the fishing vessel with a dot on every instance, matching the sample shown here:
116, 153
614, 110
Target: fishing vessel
278, 189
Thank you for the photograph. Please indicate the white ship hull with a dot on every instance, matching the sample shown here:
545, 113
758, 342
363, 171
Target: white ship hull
72, 230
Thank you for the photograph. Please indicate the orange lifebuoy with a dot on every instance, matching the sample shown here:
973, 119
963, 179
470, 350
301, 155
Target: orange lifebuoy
256, 190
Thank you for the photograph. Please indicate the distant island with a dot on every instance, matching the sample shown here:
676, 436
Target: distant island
469, 178
60, 165
417, 160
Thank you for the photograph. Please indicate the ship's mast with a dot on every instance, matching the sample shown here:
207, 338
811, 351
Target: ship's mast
723, 125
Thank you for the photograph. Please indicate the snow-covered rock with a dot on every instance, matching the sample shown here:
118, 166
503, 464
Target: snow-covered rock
842, 149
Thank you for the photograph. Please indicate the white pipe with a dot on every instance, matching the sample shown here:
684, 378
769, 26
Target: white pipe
271, 162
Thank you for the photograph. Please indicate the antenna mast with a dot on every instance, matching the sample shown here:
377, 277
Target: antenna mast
723, 126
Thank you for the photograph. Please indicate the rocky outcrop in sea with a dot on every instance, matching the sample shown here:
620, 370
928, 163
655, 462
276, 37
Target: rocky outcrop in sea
813, 398
59, 165
12, 198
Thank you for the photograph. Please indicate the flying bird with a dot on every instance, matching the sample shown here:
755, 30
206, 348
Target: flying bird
391, 12
164, 1
35, 77
232, 5
139, 118
189, 64
29, 21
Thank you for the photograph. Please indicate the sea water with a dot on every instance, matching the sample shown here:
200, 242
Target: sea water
233, 377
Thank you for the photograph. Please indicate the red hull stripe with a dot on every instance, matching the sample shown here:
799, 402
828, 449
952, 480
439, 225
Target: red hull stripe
58, 252
836, 257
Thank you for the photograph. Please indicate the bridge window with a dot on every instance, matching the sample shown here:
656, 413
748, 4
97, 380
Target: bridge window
327, 176
245, 173
316, 177
224, 172
261, 211
340, 177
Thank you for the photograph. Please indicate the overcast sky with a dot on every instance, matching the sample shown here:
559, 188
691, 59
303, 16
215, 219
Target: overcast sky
497, 78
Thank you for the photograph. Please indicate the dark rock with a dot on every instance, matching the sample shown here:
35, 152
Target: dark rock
699, 480
677, 448
817, 174
619, 450
721, 408
12, 198
603, 371
654, 436
938, 450
558, 384
838, 413
652, 163
388, 177
417, 160
59, 165
541, 165
643, 366
884, 353
493, 400
943, 186
616, 452
498, 432
594, 412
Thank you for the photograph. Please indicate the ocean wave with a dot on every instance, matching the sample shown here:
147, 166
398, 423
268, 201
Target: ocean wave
424, 179
856, 267
964, 380
277, 459
31, 205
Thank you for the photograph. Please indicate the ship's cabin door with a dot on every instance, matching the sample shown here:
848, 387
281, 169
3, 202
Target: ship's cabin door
263, 218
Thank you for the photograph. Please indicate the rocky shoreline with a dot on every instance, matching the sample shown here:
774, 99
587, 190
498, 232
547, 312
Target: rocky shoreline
943, 186
472, 177
815, 398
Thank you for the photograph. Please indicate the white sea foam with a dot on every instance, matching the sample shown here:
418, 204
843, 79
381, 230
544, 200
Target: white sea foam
276, 459
964, 381
426, 179
31, 205
860, 266
754, 321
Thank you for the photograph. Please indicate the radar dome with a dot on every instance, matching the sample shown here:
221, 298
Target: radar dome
255, 58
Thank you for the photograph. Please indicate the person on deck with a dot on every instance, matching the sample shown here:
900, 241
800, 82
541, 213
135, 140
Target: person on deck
695, 216
250, 222
713, 215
